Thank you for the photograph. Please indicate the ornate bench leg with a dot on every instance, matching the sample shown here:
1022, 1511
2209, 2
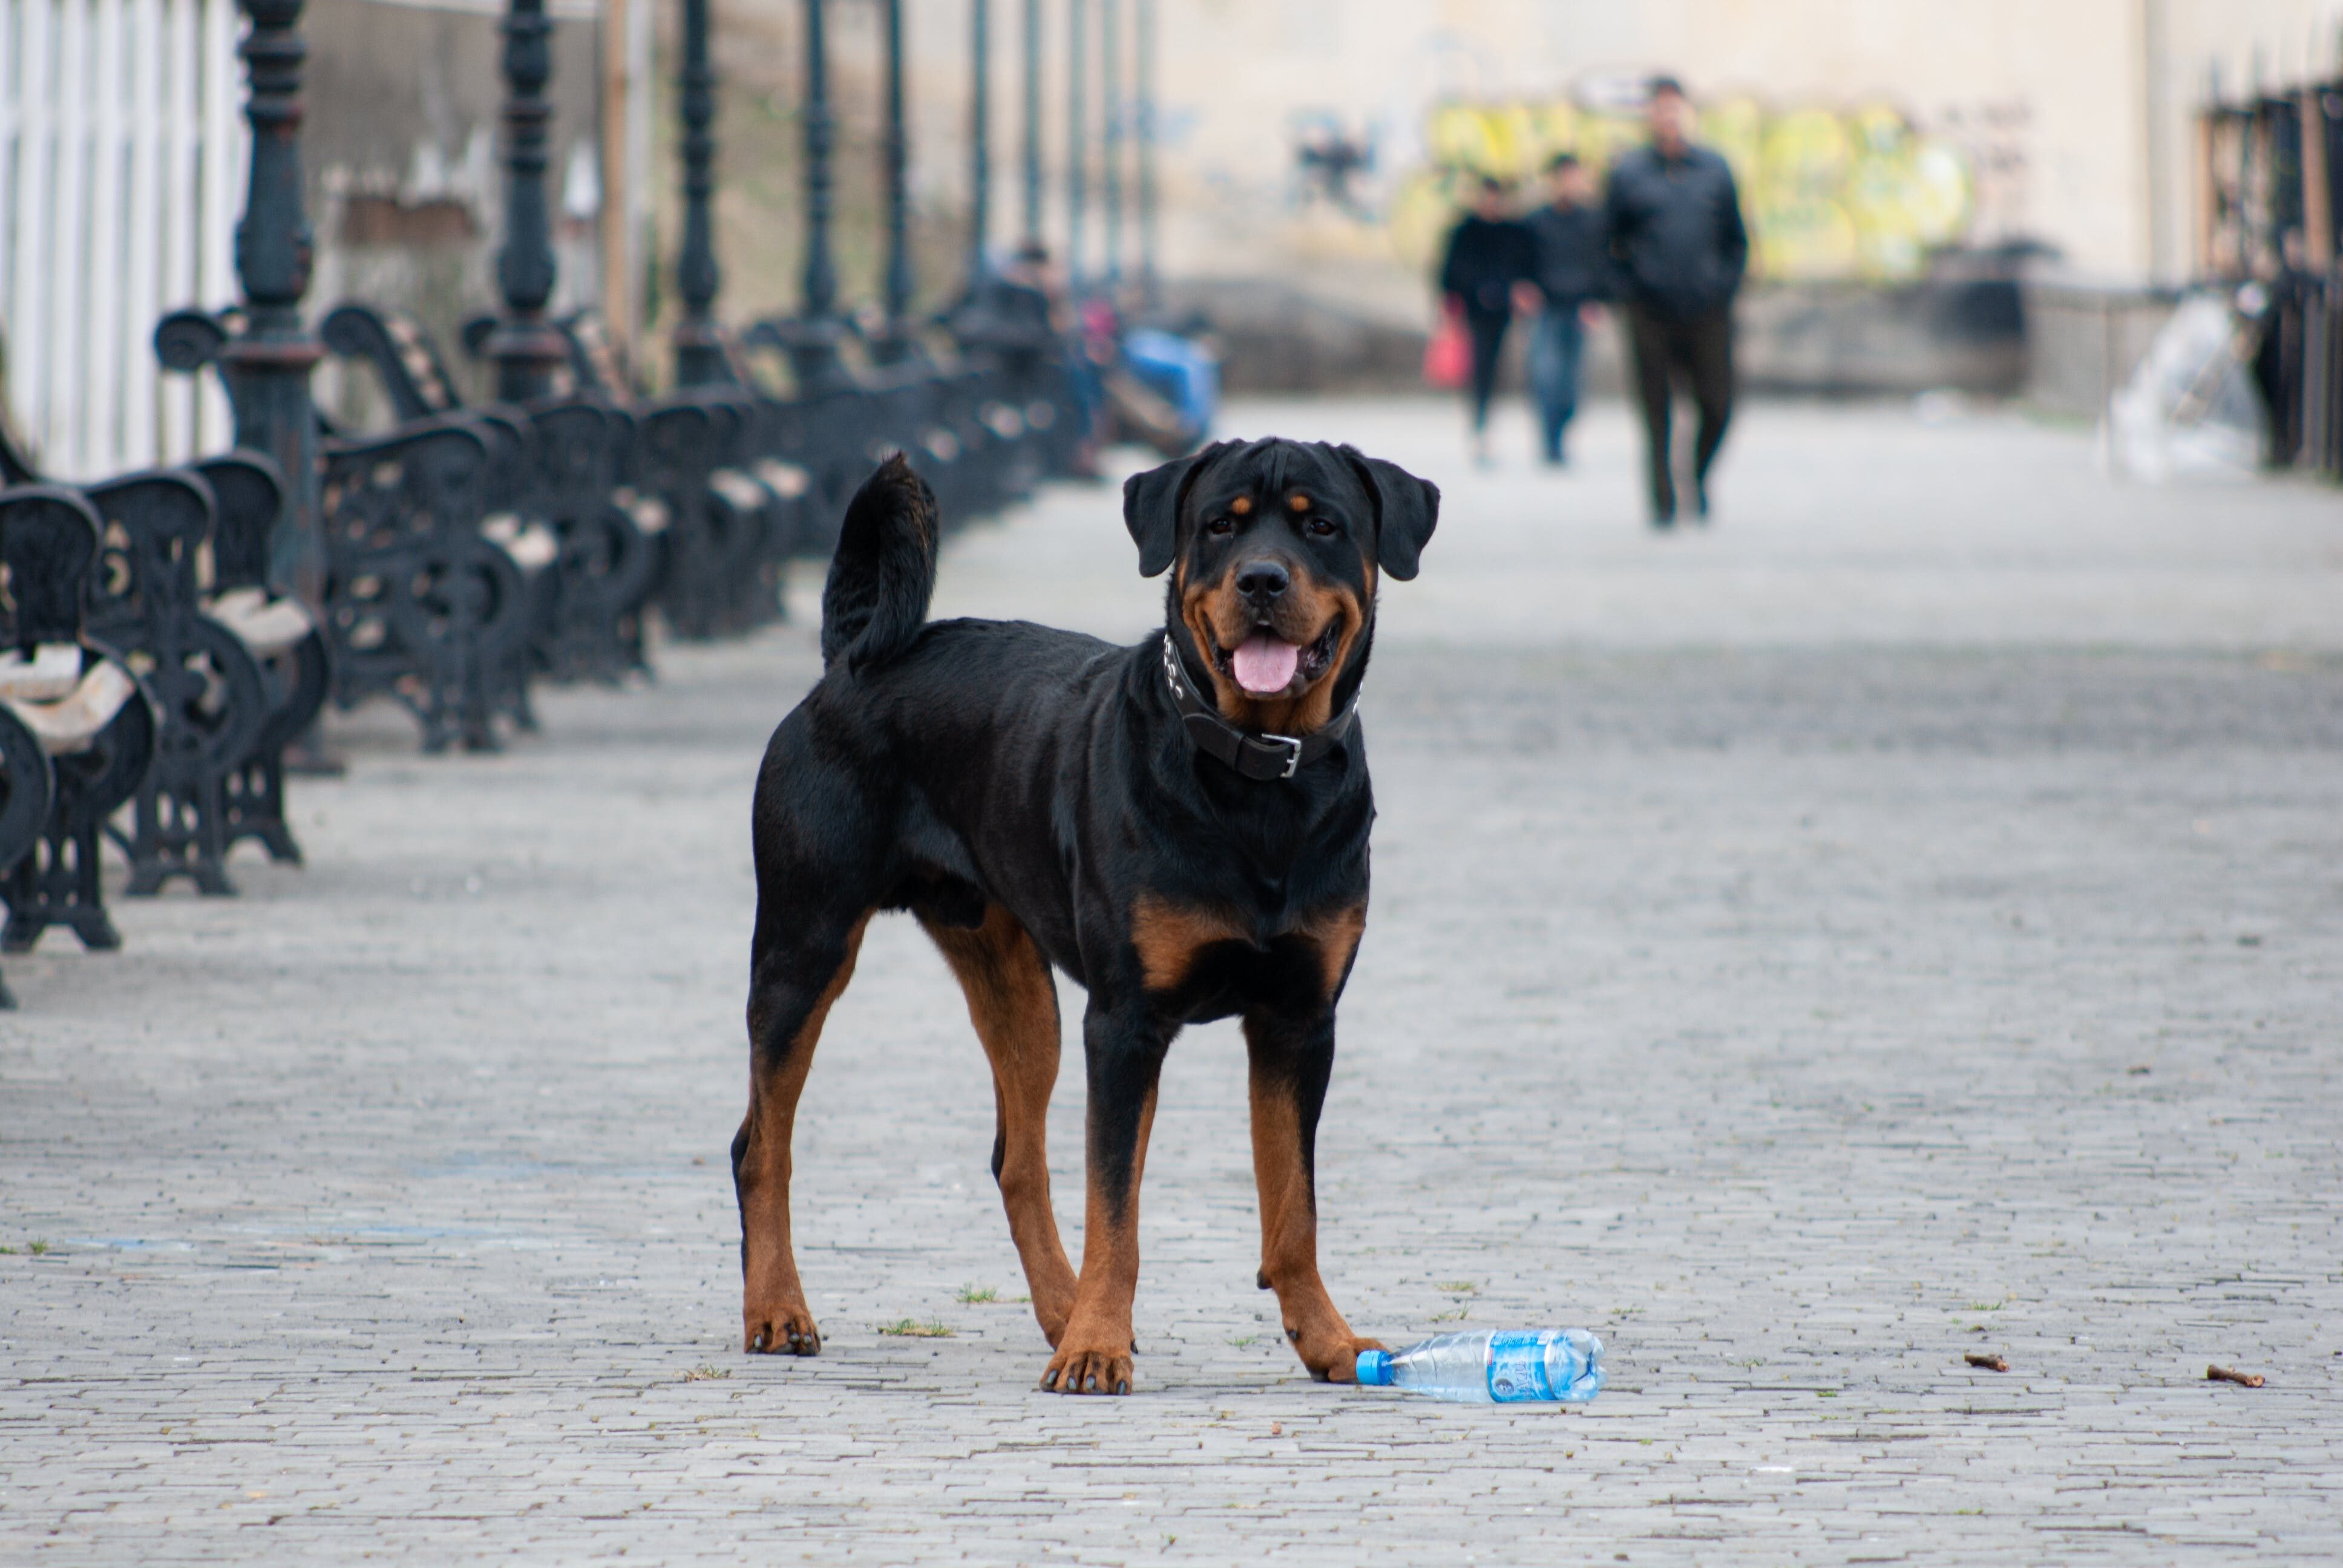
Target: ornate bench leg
255, 808
253, 794
57, 882
180, 830
57, 885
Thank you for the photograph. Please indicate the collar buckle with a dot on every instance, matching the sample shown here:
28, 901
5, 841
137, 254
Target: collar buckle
1274, 759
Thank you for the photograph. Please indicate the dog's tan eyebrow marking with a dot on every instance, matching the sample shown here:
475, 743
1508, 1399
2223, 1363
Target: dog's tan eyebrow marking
1241, 505
1299, 501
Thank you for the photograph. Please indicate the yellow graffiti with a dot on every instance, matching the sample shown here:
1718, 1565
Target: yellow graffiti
1826, 194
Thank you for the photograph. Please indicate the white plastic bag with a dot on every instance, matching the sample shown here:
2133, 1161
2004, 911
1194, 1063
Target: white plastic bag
2189, 411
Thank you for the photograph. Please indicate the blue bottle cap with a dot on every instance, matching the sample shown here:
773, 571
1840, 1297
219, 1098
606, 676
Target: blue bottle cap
1374, 1368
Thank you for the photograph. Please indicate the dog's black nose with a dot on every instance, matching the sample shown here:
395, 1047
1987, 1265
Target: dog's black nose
1262, 580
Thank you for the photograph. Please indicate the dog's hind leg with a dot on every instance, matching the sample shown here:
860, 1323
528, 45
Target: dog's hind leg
796, 978
1015, 1005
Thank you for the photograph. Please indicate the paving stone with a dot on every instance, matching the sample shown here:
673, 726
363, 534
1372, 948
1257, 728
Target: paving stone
1899, 921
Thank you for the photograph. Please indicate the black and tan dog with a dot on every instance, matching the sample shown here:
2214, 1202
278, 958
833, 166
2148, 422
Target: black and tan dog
1180, 827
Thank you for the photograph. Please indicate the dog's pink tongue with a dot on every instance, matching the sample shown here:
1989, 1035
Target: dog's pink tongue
1265, 664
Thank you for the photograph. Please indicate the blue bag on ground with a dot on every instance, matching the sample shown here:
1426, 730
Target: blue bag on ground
1178, 370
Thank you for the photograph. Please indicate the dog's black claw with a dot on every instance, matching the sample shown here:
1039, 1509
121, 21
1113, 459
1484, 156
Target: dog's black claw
1123, 1387
1261, 1278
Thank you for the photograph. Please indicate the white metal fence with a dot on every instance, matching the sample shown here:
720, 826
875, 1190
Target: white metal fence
122, 171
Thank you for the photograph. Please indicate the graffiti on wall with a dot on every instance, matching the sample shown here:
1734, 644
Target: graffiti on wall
1827, 194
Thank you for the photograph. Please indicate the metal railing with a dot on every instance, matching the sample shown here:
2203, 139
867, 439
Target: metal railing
122, 154
2269, 175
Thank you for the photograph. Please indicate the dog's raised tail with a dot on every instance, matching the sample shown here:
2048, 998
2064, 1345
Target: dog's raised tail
884, 570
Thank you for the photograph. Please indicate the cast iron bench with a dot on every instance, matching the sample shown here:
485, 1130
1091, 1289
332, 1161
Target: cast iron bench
735, 503
92, 724
420, 607
164, 536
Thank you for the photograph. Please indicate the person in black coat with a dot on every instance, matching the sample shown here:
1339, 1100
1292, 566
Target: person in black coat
1574, 277
1489, 254
1674, 221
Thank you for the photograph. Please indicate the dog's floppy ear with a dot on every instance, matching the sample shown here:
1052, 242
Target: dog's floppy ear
1151, 506
1406, 508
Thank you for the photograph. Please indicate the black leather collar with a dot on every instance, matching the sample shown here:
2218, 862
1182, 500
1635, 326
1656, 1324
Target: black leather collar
1261, 757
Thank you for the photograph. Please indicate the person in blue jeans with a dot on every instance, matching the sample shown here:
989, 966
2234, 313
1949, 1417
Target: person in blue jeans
1572, 278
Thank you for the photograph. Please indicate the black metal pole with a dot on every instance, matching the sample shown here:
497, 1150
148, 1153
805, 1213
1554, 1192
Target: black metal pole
267, 366
699, 356
1111, 109
1144, 24
1033, 181
980, 138
896, 344
1077, 181
812, 334
525, 347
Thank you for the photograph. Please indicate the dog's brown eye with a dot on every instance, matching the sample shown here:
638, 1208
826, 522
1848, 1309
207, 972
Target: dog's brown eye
1222, 526
1322, 527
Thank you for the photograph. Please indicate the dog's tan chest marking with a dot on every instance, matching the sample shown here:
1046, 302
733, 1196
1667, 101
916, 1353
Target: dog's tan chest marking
1168, 936
1335, 933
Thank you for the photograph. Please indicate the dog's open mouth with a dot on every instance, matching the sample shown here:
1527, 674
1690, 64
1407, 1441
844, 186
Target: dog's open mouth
1266, 665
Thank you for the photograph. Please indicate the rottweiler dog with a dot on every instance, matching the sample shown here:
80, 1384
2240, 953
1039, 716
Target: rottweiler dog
1180, 827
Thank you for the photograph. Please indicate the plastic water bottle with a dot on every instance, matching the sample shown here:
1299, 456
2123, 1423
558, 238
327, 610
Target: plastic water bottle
1495, 1366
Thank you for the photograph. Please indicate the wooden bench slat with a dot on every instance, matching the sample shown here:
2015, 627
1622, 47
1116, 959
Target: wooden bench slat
70, 723
53, 672
266, 626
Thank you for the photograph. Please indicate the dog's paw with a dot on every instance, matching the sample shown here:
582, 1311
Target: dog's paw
1336, 1360
788, 1330
1097, 1369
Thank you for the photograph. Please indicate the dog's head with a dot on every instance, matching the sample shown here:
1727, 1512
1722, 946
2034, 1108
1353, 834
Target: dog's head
1275, 549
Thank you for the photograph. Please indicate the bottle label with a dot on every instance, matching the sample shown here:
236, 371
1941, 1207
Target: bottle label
1517, 1368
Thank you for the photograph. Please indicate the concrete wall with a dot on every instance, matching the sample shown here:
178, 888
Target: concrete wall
2083, 343
2071, 115
401, 152
2074, 112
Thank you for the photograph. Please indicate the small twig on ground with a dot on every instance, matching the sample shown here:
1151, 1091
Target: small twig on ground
2230, 1374
1990, 1362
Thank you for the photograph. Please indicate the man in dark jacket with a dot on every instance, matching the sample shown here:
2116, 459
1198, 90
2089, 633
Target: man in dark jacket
1574, 276
1489, 254
1674, 221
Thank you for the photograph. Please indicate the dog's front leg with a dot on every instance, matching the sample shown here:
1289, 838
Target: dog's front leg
1291, 1059
1124, 1050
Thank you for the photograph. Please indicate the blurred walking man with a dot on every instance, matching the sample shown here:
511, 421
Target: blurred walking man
1574, 276
1674, 221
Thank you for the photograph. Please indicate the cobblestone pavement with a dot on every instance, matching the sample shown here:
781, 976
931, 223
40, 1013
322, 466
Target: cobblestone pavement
1901, 921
